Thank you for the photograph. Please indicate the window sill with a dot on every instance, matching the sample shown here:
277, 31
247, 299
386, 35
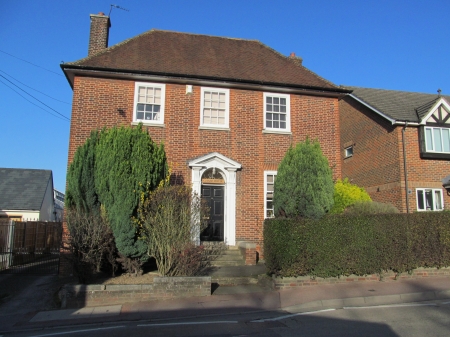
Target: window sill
149, 124
202, 127
280, 132
434, 155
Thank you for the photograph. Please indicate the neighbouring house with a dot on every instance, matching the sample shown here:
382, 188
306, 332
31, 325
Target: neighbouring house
59, 198
227, 110
26, 194
396, 145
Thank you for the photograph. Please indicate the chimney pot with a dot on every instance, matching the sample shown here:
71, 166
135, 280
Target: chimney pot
101, 13
292, 55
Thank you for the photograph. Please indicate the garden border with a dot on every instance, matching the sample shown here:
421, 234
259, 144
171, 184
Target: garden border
282, 283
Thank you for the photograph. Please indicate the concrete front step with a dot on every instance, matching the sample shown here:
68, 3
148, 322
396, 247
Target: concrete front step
225, 263
231, 256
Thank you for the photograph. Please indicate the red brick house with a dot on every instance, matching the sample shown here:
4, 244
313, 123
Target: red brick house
226, 109
396, 144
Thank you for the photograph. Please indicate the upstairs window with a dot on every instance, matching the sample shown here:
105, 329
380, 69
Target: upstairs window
437, 139
214, 107
429, 199
277, 112
269, 182
149, 103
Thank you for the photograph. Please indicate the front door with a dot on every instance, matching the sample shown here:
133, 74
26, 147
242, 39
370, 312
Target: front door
214, 197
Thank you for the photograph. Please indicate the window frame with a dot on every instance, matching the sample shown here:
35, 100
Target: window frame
347, 151
432, 128
162, 105
288, 112
266, 174
433, 191
227, 108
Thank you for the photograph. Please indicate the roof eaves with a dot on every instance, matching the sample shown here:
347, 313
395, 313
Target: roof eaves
237, 80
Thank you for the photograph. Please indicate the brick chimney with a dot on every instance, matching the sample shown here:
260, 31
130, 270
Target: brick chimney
98, 37
296, 59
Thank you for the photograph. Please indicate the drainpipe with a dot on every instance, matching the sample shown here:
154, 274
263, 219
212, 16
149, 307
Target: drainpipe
404, 165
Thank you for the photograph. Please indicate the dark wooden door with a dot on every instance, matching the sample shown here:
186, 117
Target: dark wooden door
214, 197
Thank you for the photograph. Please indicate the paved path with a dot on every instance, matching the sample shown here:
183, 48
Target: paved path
240, 299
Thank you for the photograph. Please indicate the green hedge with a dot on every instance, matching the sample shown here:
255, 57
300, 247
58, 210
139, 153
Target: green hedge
339, 245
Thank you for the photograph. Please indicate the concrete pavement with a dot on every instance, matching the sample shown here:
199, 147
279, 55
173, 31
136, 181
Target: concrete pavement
233, 300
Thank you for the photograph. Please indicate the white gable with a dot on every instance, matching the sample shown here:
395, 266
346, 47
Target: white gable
434, 112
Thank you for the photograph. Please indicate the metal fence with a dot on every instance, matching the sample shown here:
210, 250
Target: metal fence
30, 246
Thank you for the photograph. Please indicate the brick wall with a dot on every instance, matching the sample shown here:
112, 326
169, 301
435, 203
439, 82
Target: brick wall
377, 161
107, 102
283, 283
423, 173
162, 288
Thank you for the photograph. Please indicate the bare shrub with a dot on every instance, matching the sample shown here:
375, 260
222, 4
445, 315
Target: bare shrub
170, 224
371, 207
193, 259
91, 243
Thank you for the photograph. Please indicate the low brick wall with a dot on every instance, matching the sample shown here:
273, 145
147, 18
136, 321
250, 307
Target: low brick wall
248, 251
163, 288
280, 283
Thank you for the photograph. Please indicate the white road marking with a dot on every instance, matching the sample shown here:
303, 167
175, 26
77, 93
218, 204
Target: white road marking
392, 306
288, 316
77, 331
188, 323
441, 303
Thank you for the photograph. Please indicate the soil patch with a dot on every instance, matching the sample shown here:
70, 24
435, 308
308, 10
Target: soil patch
146, 278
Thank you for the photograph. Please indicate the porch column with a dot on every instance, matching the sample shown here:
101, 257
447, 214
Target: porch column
196, 189
230, 235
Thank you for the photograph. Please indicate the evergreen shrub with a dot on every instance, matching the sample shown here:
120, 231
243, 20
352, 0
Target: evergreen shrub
304, 184
338, 245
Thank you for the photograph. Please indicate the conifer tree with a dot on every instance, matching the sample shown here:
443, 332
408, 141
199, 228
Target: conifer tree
304, 183
127, 162
80, 192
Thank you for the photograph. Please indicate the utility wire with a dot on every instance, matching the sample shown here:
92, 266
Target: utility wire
68, 119
51, 71
18, 93
15, 79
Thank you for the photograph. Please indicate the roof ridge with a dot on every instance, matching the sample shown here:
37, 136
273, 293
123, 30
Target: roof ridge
153, 30
391, 90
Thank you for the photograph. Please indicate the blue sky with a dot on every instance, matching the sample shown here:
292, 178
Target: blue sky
400, 45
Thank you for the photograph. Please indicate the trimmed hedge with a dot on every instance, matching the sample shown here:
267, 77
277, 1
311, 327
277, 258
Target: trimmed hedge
338, 245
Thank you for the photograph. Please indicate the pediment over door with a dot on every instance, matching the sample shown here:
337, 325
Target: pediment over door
215, 159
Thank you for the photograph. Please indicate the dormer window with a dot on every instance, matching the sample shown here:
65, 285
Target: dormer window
435, 132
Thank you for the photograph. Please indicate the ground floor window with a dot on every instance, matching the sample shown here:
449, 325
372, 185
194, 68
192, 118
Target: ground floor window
269, 180
429, 199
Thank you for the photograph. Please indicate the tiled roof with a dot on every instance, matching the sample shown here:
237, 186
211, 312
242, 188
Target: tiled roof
398, 105
201, 56
23, 189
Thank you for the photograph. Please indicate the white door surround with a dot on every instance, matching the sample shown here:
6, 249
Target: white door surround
228, 168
